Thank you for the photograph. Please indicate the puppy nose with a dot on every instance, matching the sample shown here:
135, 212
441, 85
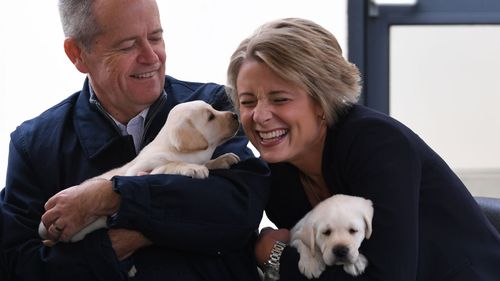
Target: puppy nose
235, 116
340, 252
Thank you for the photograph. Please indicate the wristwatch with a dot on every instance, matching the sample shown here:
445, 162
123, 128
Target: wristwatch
272, 266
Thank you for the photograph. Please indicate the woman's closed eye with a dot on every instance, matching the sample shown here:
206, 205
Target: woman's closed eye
247, 102
280, 100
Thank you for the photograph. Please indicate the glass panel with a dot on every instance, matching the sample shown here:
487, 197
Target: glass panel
445, 85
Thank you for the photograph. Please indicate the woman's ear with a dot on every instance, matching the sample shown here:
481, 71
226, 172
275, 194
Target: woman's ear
320, 112
74, 52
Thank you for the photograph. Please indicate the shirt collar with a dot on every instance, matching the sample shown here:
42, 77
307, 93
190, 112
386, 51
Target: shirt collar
135, 127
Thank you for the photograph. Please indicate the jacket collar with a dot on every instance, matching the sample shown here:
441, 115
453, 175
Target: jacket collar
99, 135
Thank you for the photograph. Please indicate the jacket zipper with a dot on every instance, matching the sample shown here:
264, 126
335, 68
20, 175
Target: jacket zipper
152, 114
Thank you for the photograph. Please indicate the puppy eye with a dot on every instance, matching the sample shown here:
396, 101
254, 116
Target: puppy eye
353, 231
211, 117
327, 232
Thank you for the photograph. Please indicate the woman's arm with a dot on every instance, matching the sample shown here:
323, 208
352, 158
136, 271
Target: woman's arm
379, 162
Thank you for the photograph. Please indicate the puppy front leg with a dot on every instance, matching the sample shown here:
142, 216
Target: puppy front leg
357, 267
97, 224
101, 222
223, 162
311, 264
181, 168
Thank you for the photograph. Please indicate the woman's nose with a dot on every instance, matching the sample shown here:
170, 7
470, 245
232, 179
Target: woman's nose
262, 113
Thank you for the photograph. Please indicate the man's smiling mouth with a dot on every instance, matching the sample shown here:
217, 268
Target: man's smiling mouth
144, 75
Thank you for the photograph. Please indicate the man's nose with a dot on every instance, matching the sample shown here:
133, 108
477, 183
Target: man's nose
148, 54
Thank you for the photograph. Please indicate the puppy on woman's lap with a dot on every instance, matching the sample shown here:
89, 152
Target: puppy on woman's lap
331, 234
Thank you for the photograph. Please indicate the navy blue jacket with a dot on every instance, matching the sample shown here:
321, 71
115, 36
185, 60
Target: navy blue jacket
200, 229
426, 225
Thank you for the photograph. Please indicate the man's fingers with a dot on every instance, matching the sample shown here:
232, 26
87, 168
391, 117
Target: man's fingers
55, 232
49, 204
52, 201
49, 217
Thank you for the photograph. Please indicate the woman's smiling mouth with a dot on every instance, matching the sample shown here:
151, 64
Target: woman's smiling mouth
271, 137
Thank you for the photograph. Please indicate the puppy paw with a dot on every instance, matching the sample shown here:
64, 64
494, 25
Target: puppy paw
311, 267
100, 222
132, 271
181, 168
194, 171
42, 231
223, 162
357, 267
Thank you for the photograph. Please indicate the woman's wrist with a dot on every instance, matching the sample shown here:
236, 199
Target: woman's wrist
272, 265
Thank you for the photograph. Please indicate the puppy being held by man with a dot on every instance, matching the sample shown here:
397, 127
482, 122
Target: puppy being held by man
184, 146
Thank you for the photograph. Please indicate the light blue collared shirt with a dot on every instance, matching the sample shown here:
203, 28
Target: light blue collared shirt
134, 127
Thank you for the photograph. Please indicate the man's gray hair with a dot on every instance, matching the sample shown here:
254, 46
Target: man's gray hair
78, 20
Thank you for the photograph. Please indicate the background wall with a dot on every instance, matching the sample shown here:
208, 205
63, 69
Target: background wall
200, 36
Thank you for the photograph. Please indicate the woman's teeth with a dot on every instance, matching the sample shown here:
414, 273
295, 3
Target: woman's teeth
273, 134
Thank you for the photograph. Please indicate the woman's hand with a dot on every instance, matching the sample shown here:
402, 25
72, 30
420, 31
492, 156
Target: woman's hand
266, 240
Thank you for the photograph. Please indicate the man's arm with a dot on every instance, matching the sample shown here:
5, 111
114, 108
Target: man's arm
220, 212
21, 208
214, 214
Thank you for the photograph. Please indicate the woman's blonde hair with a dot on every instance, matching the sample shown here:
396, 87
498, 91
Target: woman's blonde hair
306, 54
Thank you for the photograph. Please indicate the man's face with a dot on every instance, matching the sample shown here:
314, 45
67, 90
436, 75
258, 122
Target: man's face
126, 61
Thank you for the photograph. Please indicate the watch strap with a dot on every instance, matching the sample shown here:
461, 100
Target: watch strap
272, 266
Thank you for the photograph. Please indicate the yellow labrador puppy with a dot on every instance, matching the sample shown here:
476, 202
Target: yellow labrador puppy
183, 146
331, 234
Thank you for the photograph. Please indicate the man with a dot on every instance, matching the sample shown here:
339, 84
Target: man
167, 227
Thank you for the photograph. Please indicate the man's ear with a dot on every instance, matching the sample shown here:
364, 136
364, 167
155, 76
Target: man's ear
74, 52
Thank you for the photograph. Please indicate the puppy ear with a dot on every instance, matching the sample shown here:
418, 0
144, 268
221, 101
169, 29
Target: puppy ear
308, 237
367, 217
186, 138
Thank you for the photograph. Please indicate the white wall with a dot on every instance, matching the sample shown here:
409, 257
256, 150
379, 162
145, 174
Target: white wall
445, 87
200, 36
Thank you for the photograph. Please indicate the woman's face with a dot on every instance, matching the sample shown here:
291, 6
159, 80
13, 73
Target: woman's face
280, 119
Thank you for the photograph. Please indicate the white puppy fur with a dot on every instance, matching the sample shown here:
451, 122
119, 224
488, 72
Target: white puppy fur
331, 234
183, 146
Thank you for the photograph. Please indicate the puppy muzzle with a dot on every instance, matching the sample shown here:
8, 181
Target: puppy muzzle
341, 255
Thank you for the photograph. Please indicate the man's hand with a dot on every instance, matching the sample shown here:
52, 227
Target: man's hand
125, 242
266, 240
72, 209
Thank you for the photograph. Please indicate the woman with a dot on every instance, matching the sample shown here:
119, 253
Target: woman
296, 97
